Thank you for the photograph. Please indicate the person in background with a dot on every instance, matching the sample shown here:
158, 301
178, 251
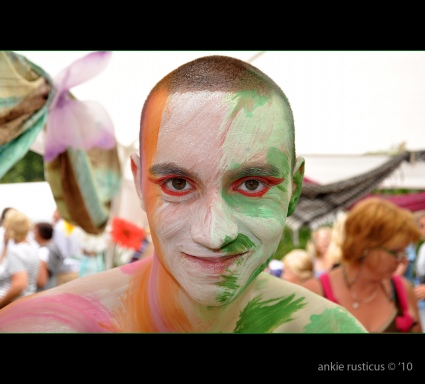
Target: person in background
419, 269
218, 175
334, 252
19, 263
407, 265
3, 215
68, 238
317, 247
376, 235
50, 255
297, 266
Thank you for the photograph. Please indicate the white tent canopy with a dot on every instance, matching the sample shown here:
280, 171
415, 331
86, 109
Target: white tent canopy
326, 169
346, 103
35, 199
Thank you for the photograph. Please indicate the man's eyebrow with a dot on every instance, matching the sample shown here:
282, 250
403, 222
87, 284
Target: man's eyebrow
164, 169
253, 170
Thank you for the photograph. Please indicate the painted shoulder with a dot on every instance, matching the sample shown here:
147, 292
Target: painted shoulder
296, 309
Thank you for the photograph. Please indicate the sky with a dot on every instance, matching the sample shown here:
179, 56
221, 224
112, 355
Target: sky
344, 102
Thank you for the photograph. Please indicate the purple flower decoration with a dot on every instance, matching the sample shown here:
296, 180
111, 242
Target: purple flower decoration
74, 123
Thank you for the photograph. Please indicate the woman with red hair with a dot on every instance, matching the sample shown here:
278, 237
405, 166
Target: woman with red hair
377, 233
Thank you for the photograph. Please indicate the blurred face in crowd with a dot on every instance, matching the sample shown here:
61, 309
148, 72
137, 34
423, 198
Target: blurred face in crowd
386, 258
216, 183
322, 240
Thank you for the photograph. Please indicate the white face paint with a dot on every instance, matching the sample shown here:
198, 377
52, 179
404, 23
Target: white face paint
218, 190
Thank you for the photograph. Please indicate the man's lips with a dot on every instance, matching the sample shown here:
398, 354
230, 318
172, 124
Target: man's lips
216, 259
214, 264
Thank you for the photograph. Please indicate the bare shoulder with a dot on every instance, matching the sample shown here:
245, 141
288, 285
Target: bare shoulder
303, 311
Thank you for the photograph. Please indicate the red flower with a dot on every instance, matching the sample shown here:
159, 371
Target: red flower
126, 233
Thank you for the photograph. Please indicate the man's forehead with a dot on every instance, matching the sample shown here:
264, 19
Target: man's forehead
182, 107
232, 98
229, 122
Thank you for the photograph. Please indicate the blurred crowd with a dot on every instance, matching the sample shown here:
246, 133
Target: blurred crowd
35, 256
370, 260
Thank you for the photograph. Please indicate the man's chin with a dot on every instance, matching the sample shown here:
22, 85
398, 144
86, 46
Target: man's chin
211, 295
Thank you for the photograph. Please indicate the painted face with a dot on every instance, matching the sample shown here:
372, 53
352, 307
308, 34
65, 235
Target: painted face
217, 188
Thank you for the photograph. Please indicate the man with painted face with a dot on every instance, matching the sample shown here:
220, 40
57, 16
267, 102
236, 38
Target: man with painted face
217, 176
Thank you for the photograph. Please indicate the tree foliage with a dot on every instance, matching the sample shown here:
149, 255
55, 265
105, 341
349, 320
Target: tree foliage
29, 168
292, 241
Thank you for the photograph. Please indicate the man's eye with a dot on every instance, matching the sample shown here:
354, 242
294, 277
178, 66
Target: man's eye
251, 187
176, 186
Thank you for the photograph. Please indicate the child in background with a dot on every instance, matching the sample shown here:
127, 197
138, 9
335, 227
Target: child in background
50, 256
317, 247
297, 266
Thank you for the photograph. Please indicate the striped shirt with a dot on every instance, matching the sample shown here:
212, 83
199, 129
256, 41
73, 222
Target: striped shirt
8, 267
27, 254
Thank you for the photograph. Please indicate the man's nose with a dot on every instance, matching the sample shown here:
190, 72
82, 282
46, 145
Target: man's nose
213, 225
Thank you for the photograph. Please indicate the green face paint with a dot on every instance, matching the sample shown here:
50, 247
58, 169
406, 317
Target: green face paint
255, 157
248, 101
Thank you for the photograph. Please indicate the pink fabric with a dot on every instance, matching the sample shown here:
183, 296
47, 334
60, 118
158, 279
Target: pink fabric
327, 289
74, 123
404, 322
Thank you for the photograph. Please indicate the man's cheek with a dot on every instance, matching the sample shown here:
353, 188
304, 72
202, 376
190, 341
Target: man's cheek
169, 220
267, 230
271, 208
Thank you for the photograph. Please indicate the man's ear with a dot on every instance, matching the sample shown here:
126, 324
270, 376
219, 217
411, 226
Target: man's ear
297, 184
137, 176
